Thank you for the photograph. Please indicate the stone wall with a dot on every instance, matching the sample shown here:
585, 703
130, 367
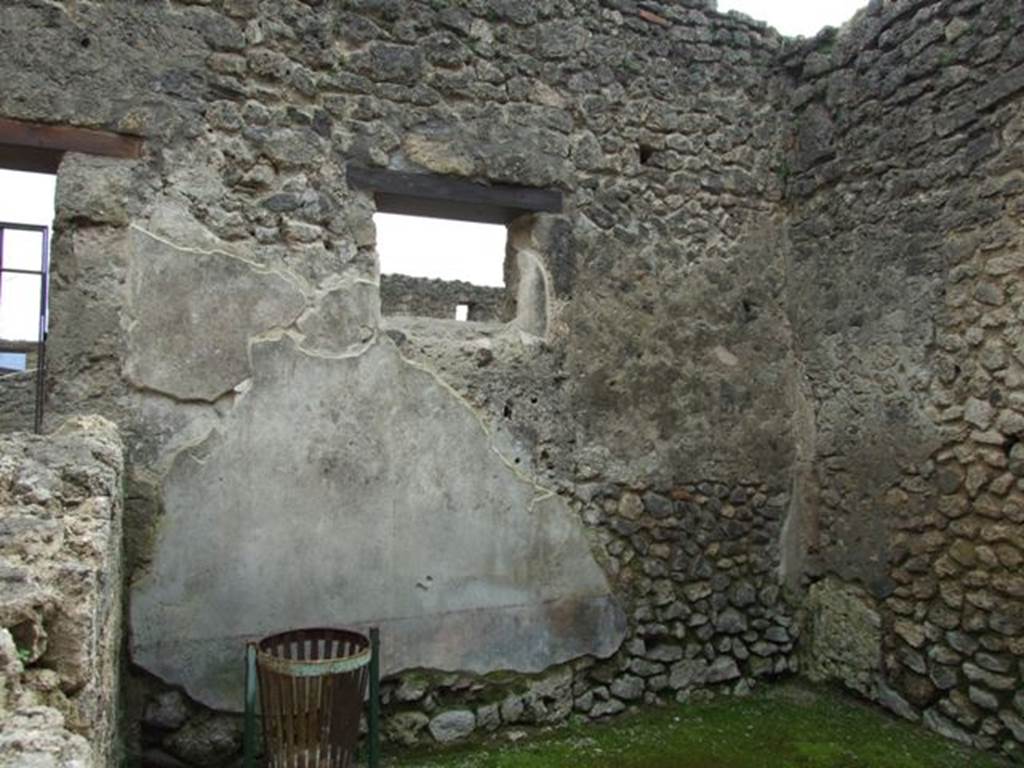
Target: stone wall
17, 401
773, 345
18, 389
60, 595
430, 482
425, 297
907, 190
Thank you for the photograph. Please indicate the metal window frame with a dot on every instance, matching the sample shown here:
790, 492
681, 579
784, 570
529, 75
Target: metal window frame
44, 279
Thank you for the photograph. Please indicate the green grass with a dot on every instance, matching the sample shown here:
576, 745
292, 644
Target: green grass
785, 727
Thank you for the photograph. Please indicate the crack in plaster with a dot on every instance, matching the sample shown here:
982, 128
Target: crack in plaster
297, 280
542, 492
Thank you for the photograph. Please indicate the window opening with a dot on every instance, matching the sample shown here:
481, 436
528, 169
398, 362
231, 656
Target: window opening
13, 361
796, 17
441, 268
26, 216
523, 300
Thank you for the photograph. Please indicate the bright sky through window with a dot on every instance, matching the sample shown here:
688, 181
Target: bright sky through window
25, 198
439, 248
796, 17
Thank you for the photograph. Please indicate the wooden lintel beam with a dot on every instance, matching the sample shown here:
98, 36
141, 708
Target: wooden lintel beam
14, 158
65, 138
422, 194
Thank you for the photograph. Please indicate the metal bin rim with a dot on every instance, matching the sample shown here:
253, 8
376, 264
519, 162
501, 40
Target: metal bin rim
312, 667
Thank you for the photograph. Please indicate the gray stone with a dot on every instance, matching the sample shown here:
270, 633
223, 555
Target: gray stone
397, 63
584, 703
945, 678
993, 663
36, 736
962, 642
913, 660
657, 505
658, 683
761, 648
979, 413
412, 688
722, 669
512, 709
96, 189
168, 710
628, 687
665, 652
761, 666
946, 727
944, 655
607, 708
405, 727
452, 725
207, 741
743, 594
1007, 622
291, 148
777, 634
949, 479
891, 700
697, 591
1014, 723
645, 668
988, 292
517, 11
488, 717
815, 133
1017, 460
983, 698
60, 601
843, 637
731, 622
688, 673
989, 679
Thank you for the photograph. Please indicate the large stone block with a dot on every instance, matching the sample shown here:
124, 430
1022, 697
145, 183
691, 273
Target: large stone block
60, 593
843, 635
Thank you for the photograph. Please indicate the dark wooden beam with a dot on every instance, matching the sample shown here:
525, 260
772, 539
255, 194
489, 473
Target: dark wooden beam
29, 159
443, 197
64, 138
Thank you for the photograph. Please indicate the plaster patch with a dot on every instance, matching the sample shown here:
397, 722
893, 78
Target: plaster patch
191, 313
336, 487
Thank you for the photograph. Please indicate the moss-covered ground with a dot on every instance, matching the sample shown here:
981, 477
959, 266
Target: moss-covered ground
789, 726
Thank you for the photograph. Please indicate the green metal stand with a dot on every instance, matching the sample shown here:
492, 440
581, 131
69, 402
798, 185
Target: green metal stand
249, 732
373, 724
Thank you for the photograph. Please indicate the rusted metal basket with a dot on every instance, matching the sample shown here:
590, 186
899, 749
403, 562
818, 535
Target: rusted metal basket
312, 683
